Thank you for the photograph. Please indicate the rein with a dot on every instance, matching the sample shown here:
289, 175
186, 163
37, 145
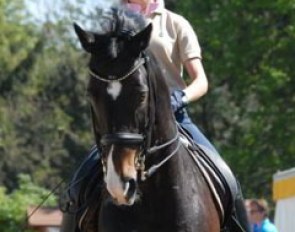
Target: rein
155, 167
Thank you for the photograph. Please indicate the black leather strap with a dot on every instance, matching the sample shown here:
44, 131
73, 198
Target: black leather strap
124, 138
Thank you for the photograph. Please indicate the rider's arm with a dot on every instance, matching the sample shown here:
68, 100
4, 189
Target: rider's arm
199, 84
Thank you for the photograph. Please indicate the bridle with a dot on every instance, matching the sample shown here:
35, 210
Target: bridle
139, 139
111, 78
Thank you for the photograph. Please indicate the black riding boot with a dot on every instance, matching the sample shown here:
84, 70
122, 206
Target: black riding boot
238, 222
68, 223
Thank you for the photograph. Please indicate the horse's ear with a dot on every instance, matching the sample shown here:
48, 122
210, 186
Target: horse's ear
86, 38
141, 40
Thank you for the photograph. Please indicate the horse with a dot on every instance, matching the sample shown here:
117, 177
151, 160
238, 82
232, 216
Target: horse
152, 182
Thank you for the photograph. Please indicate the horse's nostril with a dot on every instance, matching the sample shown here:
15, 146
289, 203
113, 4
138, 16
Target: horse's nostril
129, 188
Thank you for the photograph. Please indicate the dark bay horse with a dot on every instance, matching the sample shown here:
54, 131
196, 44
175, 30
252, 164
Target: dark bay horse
151, 182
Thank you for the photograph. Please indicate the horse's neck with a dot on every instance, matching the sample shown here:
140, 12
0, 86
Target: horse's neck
178, 172
164, 121
174, 186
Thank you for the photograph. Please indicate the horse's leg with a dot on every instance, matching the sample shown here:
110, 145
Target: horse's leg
113, 218
68, 223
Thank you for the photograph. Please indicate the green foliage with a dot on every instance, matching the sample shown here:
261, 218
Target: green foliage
15, 38
13, 206
44, 122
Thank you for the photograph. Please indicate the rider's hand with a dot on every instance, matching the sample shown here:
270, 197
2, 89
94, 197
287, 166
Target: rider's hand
178, 100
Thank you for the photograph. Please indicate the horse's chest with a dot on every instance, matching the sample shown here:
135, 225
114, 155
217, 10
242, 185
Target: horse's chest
166, 216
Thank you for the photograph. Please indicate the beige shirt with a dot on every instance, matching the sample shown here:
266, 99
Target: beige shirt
173, 42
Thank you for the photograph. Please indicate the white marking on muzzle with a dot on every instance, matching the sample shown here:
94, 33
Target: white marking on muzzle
113, 180
114, 89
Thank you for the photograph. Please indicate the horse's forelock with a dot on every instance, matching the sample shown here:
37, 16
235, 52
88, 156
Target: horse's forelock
121, 21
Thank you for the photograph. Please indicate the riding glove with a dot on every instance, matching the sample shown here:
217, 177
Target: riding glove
178, 100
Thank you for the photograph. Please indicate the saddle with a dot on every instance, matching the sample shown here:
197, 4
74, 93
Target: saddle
221, 181
83, 191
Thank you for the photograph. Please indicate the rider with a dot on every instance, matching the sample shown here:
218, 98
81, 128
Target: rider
175, 45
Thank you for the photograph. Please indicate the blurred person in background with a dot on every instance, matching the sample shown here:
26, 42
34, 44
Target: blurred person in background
259, 216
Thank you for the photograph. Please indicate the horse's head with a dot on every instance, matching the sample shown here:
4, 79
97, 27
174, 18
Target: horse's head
119, 95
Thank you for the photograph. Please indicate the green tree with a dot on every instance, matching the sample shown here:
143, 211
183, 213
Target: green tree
44, 124
16, 42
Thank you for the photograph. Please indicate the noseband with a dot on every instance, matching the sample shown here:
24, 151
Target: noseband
122, 138
144, 139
